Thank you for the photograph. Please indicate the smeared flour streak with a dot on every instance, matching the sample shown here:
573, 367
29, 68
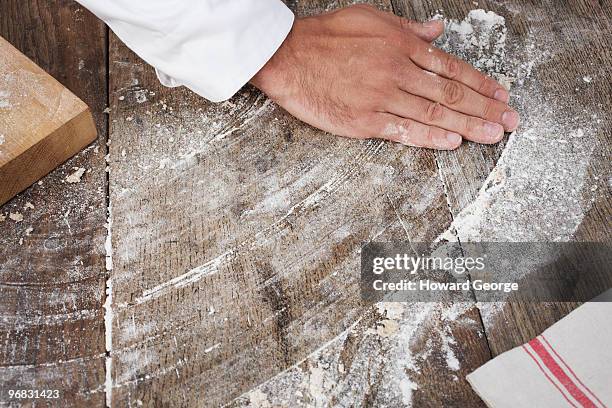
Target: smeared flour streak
529, 191
338, 339
310, 202
540, 176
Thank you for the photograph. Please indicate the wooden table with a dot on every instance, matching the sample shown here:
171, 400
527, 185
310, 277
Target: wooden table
236, 229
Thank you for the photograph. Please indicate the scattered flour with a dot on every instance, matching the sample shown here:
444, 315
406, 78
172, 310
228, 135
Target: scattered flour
525, 187
531, 181
75, 177
258, 399
5, 103
108, 311
322, 380
17, 217
2, 139
479, 38
141, 95
536, 190
387, 328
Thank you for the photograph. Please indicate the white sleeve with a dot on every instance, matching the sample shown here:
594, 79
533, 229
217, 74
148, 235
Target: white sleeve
213, 47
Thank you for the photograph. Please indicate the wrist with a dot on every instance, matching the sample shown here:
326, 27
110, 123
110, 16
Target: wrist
274, 77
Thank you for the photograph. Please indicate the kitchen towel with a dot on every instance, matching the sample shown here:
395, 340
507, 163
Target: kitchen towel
569, 365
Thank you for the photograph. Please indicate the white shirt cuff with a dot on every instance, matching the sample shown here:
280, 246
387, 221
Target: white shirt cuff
213, 47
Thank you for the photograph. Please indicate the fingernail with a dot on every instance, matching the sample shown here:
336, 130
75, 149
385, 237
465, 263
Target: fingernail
502, 95
494, 131
510, 119
453, 138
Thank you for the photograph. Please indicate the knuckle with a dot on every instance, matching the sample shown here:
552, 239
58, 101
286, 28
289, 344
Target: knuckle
488, 108
434, 112
453, 93
429, 136
471, 125
453, 67
404, 23
405, 128
484, 85
401, 131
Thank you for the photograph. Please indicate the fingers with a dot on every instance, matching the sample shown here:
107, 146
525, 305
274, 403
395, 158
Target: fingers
412, 133
434, 114
432, 59
459, 97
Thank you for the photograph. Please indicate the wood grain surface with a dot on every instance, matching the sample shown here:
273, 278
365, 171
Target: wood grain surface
236, 229
271, 215
576, 35
43, 123
52, 274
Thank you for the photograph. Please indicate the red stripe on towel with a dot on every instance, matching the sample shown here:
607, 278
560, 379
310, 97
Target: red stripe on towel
571, 371
561, 375
547, 376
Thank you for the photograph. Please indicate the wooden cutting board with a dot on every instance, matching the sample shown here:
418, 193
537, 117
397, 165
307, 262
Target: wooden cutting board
42, 123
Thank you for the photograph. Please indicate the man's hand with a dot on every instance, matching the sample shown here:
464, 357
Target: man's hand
360, 72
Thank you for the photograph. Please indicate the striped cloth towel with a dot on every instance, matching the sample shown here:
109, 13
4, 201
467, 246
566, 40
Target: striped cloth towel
569, 365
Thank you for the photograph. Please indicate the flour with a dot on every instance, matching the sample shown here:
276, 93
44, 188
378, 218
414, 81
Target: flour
108, 310
540, 187
524, 197
322, 380
75, 177
530, 182
5, 103
141, 95
479, 38
258, 399
17, 217
387, 328
2, 140
449, 354
108, 341
529, 195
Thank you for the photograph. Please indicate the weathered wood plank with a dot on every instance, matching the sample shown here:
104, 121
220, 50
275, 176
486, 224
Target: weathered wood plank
43, 123
583, 34
52, 273
550, 181
236, 232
